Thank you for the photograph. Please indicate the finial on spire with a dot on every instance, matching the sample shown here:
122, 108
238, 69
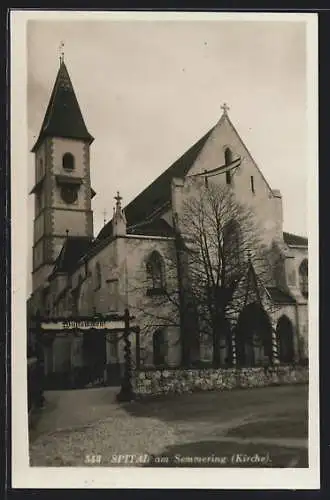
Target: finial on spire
67, 233
61, 50
118, 199
119, 219
225, 108
249, 255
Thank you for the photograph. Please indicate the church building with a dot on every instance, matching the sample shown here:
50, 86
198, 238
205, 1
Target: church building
128, 264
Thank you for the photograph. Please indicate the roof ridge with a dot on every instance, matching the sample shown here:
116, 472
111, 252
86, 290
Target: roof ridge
294, 234
173, 164
294, 239
79, 236
158, 192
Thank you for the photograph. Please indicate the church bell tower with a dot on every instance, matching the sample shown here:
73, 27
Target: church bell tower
62, 187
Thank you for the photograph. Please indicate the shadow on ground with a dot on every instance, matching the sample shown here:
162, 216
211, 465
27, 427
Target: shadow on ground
294, 426
269, 422
215, 406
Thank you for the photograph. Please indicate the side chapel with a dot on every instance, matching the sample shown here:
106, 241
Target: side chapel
78, 274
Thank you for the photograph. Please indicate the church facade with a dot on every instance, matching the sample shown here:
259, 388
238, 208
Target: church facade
136, 260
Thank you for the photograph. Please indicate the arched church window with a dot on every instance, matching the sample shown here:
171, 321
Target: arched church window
98, 275
303, 278
155, 274
252, 184
253, 336
284, 336
231, 243
228, 156
68, 161
228, 161
159, 347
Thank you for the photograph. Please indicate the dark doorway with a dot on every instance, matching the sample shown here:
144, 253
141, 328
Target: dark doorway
253, 336
284, 334
114, 368
94, 353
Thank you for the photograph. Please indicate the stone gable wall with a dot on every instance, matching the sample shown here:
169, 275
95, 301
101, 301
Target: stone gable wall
266, 206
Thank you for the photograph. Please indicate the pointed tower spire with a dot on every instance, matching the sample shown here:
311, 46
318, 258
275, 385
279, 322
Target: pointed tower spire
63, 116
61, 49
62, 172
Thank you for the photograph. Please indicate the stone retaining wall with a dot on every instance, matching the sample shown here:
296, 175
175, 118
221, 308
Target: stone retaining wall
155, 382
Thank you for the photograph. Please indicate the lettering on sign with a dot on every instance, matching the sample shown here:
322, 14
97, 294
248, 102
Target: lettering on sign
83, 325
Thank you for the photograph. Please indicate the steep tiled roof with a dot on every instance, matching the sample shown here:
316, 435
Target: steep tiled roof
73, 249
158, 193
293, 239
63, 116
157, 227
280, 297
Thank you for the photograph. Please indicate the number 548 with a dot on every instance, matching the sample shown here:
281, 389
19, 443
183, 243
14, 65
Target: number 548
93, 459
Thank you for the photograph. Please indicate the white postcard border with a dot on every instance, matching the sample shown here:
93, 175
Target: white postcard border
24, 476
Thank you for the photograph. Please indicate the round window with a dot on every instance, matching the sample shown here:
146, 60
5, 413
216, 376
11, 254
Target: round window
69, 194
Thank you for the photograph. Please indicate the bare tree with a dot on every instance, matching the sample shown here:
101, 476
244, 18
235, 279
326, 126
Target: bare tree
222, 240
216, 239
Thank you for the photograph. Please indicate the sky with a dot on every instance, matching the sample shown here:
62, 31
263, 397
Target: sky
148, 90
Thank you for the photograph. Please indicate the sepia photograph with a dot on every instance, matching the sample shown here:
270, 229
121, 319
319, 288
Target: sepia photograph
165, 248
